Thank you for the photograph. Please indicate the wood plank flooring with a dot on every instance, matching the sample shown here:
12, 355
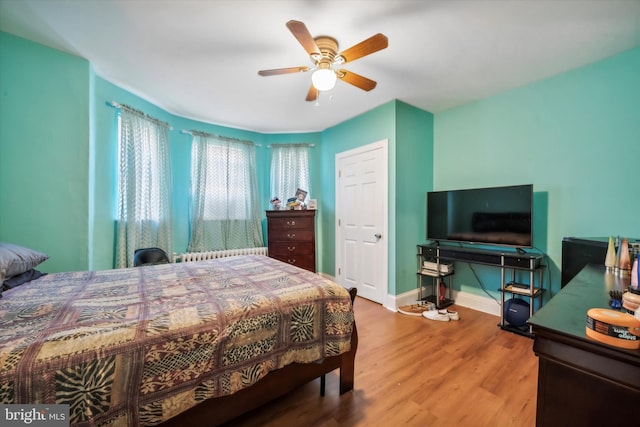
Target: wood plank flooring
411, 371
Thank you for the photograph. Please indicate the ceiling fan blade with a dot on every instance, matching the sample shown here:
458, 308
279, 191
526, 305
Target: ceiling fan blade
313, 93
300, 32
365, 47
356, 79
278, 71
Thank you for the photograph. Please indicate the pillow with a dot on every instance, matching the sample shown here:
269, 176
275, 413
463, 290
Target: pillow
15, 260
20, 279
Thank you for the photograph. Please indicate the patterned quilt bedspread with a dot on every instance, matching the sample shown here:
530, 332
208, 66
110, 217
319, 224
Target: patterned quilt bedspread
137, 346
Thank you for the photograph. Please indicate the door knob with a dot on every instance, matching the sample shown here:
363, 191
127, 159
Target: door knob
378, 236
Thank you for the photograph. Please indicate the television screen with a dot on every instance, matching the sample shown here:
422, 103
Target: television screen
496, 215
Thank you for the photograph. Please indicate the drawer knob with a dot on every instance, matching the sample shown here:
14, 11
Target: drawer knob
291, 236
291, 248
291, 222
291, 261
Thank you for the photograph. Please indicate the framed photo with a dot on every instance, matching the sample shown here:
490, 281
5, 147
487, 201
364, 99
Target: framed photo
301, 195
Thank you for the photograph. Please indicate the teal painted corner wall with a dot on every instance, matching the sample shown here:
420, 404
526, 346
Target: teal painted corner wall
414, 177
44, 151
575, 136
409, 132
375, 125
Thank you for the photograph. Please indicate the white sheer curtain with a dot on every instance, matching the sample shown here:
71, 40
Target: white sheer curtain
290, 171
225, 207
144, 185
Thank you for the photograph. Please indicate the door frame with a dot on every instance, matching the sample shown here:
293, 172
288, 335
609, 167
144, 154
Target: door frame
384, 179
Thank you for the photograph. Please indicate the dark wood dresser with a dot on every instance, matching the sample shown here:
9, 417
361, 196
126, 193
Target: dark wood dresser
292, 237
583, 382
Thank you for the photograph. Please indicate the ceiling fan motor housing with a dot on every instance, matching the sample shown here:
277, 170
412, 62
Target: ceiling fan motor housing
328, 47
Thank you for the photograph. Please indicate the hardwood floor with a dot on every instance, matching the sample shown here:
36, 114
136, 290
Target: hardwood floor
411, 371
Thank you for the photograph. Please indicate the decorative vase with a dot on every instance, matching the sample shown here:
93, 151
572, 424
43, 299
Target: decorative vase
624, 262
610, 259
635, 274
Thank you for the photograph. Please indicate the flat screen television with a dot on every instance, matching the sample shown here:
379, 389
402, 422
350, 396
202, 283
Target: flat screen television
493, 216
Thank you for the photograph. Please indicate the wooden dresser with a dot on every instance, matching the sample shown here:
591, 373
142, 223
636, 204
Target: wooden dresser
292, 237
583, 382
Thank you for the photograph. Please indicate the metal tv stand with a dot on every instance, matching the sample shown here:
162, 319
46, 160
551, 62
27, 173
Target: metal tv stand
522, 267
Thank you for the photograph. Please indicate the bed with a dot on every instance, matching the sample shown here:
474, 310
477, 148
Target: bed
194, 343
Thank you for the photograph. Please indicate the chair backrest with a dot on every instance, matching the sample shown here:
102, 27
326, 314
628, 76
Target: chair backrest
147, 256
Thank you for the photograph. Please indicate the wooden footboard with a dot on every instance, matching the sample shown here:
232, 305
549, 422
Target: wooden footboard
213, 412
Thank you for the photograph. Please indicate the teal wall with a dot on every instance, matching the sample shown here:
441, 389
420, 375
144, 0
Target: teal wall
575, 136
44, 151
58, 151
414, 177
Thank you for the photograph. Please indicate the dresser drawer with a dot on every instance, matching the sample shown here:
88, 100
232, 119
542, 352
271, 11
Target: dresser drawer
291, 235
277, 249
287, 224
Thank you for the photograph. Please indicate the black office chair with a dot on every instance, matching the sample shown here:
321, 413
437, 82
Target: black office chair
149, 256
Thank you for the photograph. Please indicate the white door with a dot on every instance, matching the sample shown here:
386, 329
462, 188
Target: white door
361, 220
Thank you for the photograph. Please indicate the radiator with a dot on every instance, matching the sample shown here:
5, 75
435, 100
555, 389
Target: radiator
201, 256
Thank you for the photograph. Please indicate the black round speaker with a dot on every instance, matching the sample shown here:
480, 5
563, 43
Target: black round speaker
516, 311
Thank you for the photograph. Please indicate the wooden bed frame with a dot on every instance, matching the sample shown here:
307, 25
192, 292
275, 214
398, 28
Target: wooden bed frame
216, 411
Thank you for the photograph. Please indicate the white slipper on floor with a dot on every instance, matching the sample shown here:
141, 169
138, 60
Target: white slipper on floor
453, 315
436, 315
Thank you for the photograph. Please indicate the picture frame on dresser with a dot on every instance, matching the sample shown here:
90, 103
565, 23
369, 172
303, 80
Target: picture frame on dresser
301, 195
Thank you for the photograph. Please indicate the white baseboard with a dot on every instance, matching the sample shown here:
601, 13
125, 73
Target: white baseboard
463, 299
477, 302
326, 276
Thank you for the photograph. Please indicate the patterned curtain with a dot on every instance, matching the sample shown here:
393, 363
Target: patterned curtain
144, 186
225, 207
289, 171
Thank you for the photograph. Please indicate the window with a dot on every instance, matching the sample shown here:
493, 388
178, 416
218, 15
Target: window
144, 162
290, 171
144, 185
226, 181
225, 211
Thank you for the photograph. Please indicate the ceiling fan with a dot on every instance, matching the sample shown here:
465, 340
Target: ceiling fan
323, 51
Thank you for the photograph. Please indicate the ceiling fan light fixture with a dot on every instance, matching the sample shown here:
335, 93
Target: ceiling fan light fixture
324, 54
324, 79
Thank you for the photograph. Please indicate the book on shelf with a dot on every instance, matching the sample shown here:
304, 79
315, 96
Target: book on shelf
433, 266
434, 273
519, 289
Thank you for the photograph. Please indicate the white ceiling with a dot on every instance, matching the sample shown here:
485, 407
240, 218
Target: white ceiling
199, 58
